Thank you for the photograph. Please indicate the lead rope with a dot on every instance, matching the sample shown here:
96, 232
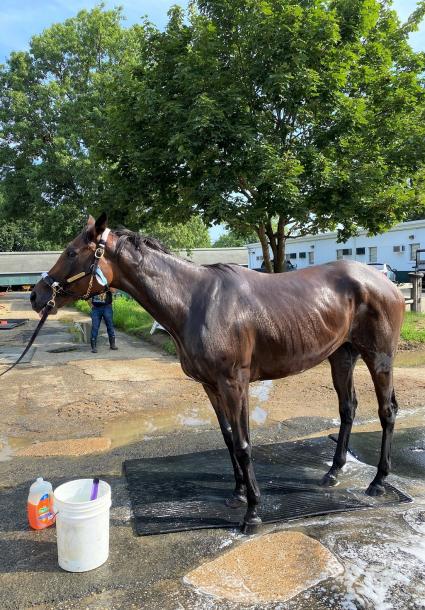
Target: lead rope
31, 341
100, 250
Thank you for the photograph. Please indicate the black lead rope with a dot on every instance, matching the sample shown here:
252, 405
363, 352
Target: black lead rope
59, 288
31, 341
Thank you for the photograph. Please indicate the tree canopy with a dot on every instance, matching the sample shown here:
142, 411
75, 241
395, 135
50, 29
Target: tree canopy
308, 113
233, 239
180, 236
52, 115
279, 117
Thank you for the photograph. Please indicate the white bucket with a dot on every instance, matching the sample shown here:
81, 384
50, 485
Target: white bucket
82, 525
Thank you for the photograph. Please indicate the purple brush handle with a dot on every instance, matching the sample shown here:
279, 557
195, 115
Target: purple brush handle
94, 489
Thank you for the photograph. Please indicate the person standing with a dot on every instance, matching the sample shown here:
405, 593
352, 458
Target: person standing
102, 308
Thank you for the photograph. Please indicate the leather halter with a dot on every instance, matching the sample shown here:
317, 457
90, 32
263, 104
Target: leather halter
59, 288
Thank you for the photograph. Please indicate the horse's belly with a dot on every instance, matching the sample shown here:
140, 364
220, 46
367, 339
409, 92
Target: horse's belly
277, 363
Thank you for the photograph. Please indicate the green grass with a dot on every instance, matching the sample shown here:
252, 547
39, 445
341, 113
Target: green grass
413, 328
130, 317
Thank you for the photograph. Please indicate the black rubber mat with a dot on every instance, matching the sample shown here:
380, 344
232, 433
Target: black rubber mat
184, 492
407, 453
8, 324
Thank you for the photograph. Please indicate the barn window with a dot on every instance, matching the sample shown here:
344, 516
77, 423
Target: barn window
360, 251
302, 255
343, 252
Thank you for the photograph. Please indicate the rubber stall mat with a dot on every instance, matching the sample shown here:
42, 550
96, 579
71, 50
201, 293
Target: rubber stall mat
184, 492
8, 324
407, 452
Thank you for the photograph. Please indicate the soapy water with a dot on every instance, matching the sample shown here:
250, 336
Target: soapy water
261, 390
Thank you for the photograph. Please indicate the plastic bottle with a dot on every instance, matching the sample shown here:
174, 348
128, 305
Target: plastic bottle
40, 505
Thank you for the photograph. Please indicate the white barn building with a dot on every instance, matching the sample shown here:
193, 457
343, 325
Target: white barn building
397, 247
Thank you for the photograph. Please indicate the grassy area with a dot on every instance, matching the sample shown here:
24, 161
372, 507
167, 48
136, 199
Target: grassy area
413, 328
130, 317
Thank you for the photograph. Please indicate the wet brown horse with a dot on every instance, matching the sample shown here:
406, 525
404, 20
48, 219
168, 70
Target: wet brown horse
232, 326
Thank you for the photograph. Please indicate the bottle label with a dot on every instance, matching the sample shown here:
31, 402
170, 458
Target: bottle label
43, 509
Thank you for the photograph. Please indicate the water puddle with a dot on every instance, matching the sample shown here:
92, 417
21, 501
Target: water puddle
261, 390
134, 427
259, 415
140, 426
9, 445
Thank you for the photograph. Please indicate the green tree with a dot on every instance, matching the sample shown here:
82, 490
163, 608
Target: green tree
233, 239
52, 112
306, 113
180, 236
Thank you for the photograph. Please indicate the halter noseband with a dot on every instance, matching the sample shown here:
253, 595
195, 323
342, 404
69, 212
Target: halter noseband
58, 288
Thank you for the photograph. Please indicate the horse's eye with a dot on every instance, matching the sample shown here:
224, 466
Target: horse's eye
71, 253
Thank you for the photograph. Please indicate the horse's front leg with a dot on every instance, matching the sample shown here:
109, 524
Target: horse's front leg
239, 495
233, 393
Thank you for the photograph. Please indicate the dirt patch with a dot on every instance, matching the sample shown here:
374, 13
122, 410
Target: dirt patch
70, 447
270, 568
141, 369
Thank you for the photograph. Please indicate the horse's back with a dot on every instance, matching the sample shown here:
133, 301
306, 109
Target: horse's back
303, 316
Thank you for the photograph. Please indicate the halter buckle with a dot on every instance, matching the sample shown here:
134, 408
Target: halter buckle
100, 251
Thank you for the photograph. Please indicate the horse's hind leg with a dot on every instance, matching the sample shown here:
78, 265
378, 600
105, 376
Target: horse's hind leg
381, 370
342, 362
239, 494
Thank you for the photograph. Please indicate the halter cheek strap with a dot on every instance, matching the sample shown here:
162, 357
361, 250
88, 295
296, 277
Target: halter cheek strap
100, 251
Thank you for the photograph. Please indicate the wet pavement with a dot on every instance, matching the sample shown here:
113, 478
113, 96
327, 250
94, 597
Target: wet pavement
149, 408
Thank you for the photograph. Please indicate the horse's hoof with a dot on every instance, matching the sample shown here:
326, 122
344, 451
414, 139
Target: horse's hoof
236, 501
375, 489
251, 526
329, 480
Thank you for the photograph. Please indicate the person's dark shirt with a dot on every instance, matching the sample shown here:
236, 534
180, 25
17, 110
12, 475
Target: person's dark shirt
100, 300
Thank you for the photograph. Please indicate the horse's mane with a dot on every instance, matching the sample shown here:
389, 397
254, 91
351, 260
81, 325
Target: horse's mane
138, 241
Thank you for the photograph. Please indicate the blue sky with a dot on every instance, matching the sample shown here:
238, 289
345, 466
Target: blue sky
21, 19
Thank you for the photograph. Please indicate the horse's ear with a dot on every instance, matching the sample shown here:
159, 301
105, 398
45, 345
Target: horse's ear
94, 228
100, 224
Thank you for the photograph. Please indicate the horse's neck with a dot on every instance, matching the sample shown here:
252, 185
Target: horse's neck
162, 283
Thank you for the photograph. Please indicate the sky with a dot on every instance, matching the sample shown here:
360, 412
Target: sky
21, 19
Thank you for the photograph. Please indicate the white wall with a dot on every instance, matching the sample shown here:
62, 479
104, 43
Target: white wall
325, 247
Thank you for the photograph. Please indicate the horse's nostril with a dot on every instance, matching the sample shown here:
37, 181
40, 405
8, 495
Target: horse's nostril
33, 297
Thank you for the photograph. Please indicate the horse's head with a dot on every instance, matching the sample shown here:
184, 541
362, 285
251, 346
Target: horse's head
72, 277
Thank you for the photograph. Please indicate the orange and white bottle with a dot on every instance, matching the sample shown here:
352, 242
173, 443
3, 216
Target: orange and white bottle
40, 505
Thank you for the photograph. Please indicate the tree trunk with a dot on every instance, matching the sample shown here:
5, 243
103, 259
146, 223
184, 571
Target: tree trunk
261, 230
279, 259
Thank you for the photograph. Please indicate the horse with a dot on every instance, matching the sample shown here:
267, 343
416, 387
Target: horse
232, 326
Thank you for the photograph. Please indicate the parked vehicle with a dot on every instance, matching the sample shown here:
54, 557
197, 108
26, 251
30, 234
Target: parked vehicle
386, 269
288, 267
